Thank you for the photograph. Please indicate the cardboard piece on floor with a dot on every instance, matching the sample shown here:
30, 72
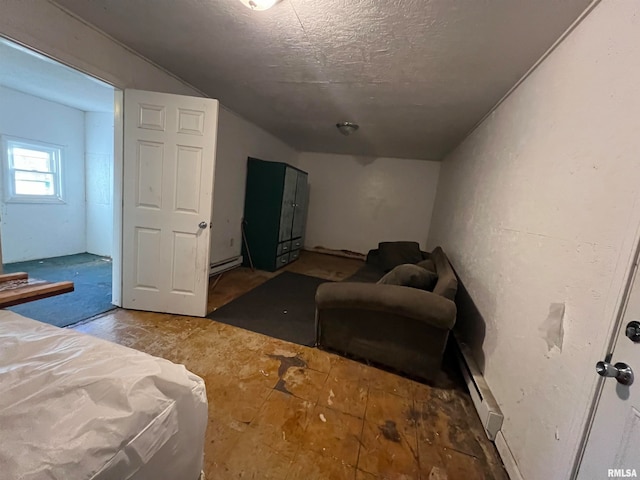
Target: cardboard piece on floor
17, 288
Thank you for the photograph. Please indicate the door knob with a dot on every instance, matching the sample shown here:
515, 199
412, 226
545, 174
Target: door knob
203, 224
633, 331
620, 371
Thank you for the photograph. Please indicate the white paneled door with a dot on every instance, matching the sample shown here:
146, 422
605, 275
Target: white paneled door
169, 158
613, 447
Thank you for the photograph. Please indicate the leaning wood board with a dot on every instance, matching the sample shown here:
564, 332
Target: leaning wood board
17, 288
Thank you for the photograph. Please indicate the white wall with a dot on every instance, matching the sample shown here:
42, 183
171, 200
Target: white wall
356, 202
237, 140
99, 182
32, 231
539, 205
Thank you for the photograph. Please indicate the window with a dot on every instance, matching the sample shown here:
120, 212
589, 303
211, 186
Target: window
32, 171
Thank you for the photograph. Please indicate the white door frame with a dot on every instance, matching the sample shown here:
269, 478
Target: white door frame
614, 329
118, 180
118, 169
118, 176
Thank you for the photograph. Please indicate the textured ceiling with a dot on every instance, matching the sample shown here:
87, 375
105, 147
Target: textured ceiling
29, 72
415, 74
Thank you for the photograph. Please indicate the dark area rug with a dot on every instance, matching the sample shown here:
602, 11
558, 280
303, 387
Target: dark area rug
282, 307
91, 276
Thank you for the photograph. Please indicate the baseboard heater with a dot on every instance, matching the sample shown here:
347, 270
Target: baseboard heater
484, 401
224, 265
487, 408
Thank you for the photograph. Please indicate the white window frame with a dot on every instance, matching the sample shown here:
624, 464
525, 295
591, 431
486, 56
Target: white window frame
56, 153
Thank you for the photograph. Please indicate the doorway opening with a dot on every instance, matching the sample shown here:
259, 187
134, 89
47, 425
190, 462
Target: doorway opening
57, 189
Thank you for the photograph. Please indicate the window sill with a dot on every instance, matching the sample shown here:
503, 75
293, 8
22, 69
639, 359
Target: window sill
33, 199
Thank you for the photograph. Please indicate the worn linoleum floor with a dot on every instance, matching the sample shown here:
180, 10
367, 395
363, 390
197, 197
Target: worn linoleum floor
283, 411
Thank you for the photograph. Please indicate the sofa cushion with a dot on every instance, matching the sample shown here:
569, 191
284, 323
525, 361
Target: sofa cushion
392, 254
366, 274
408, 275
427, 264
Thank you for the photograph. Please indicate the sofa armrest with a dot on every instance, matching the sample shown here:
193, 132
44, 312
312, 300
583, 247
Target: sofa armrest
413, 303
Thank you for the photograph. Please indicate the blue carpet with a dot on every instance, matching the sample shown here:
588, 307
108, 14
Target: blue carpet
91, 276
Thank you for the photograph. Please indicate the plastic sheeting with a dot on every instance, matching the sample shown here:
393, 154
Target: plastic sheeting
76, 407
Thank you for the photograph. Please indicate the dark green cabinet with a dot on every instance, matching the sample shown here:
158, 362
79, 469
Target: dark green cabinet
275, 211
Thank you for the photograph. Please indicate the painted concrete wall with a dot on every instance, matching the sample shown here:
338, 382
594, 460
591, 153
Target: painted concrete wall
539, 205
99, 182
237, 140
356, 202
31, 231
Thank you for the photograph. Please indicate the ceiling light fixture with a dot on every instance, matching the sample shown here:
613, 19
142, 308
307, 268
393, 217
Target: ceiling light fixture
347, 128
259, 4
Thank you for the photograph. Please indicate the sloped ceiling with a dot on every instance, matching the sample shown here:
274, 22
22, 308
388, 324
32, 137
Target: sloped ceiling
415, 74
28, 72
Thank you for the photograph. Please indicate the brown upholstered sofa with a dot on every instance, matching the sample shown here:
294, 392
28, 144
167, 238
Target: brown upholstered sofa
397, 326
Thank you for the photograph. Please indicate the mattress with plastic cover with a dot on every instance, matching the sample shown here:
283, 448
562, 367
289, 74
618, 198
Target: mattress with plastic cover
76, 407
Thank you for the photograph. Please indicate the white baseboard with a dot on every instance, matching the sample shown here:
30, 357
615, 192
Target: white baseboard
223, 266
509, 462
484, 401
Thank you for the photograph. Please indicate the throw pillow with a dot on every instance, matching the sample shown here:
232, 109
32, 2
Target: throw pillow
409, 275
392, 254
